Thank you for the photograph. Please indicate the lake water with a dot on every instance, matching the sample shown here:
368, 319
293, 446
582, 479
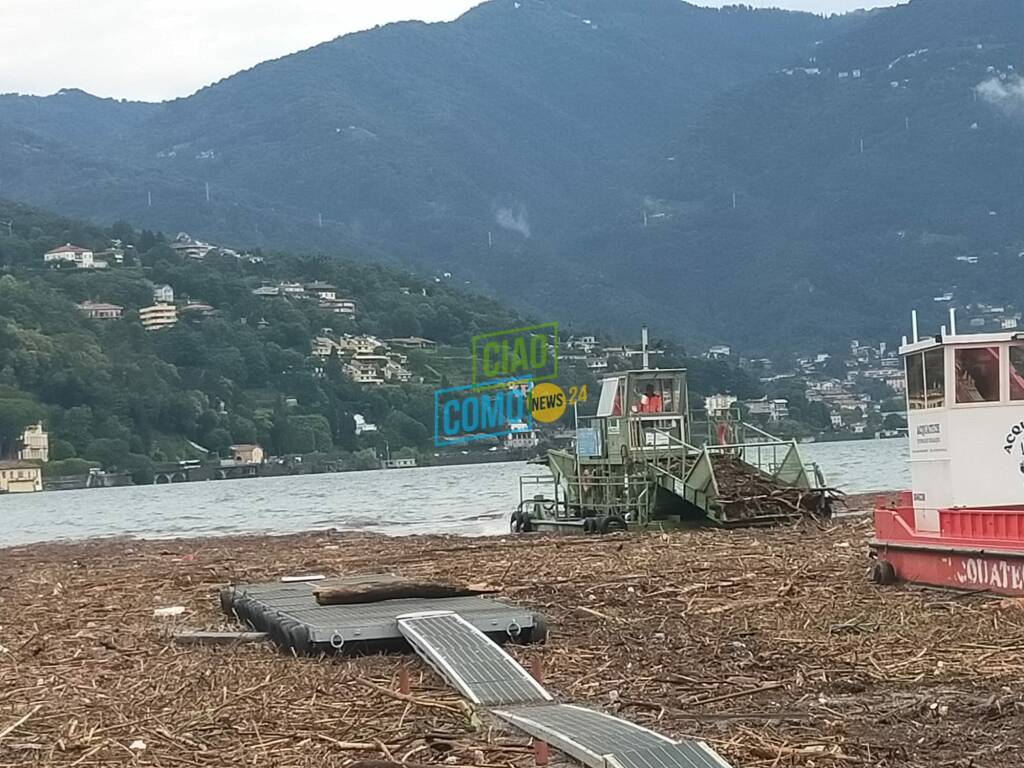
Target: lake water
467, 500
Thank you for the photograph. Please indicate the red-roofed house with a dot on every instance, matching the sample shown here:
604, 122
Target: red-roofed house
73, 254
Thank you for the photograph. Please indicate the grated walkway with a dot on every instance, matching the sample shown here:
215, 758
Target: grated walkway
483, 673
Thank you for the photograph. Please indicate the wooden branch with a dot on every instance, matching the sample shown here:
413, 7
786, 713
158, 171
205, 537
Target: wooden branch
372, 591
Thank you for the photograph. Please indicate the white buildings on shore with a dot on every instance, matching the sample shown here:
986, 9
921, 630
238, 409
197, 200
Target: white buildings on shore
73, 255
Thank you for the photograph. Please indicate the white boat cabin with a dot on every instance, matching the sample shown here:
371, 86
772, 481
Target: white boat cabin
641, 411
965, 411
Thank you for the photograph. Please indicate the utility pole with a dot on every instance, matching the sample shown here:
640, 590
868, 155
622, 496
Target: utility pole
862, 146
320, 220
906, 122
149, 198
734, 201
645, 217
490, 240
207, 191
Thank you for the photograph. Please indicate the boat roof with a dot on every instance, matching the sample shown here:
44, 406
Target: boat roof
643, 372
959, 339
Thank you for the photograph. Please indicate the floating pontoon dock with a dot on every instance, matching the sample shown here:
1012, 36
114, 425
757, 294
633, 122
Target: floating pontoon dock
290, 614
458, 637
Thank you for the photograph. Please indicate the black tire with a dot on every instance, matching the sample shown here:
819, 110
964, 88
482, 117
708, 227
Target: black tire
588, 525
612, 524
513, 523
882, 572
526, 523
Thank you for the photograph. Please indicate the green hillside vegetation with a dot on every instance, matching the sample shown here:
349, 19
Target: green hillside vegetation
526, 122
115, 395
772, 180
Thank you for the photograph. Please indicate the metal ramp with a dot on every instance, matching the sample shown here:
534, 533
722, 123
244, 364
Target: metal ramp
471, 663
483, 673
599, 740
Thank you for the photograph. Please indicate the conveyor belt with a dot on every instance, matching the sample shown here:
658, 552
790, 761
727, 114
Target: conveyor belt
599, 740
465, 657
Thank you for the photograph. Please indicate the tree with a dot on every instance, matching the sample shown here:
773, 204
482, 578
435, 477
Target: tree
141, 469
109, 453
15, 415
218, 441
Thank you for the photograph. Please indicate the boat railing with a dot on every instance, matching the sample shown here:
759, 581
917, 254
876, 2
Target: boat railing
562, 507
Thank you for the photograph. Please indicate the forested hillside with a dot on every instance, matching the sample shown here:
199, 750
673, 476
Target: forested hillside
241, 372
237, 367
767, 179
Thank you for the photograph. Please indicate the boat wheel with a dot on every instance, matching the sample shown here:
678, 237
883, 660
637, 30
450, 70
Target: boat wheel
612, 523
882, 572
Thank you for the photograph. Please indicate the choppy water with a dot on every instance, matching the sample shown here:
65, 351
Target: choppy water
467, 500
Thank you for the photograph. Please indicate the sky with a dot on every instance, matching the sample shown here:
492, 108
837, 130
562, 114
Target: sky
154, 49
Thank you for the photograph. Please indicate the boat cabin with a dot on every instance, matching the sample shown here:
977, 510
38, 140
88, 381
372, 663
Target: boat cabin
965, 411
640, 411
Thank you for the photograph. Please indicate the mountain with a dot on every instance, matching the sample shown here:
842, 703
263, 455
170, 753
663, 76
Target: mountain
581, 158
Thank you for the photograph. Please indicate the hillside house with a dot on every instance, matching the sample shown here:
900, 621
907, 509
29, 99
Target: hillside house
367, 369
267, 291
775, 409
196, 309
362, 425
96, 310
718, 352
163, 294
20, 477
360, 345
322, 291
35, 444
521, 436
185, 246
247, 453
338, 306
158, 316
80, 257
716, 405
413, 342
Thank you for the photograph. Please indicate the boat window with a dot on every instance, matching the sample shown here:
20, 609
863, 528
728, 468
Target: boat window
1017, 373
610, 403
935, 378
977, 375
915, 382
652, 396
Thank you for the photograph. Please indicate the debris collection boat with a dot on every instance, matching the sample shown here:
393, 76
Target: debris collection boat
962, 524
637, 464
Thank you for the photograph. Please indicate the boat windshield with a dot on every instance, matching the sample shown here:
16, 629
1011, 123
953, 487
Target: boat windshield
977, 375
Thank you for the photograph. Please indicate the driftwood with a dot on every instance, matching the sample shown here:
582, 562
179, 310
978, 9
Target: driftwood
372, 591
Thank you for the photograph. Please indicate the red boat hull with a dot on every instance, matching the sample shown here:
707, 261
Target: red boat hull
974, 549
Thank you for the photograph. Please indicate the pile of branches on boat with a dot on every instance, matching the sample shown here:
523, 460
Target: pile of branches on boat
746, 494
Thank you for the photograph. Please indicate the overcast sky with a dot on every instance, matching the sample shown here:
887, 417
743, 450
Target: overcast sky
155, 49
